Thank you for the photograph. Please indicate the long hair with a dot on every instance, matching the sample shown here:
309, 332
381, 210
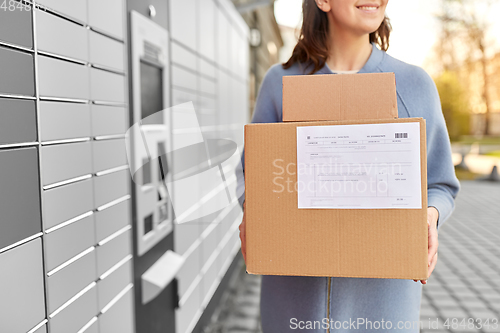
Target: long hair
312, 46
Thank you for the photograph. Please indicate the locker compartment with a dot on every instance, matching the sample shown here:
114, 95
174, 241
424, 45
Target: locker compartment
77, 314
107, 16
108, 120
58, 78
180, 97
183, 78
66, 161
76, 9
187, 312
60, 121
207, 68
19, 65
113, 251
223, 47
185, 234
111, 286
17, 121
183, 22
209, 245
22, 288
181, 56
208, 280
106, 86
61, 37
111, 187
94, 328
119, 318
65, 243
206, 28
189, 271
66, 202
207, 86
15, 26
112, 219
109, 154
69, 281
19, 195
42, 329
106, 52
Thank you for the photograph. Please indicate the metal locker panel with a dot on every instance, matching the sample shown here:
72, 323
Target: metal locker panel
15, 26
19, 195
119, 318
77, 314
112, 219
108, 154
107, 16
209, 279
66, 161
62, 37
183, 22
106, 52
180, 97
209, 245
22, 287
223, 47
108, 120
182, 56
106, 86
17, 74
184, 236
69, 281
94, 328
64, 120
207, 86
111, 187
66, 202
111, 286
187, 274
58, 78
183, 78
76, 9
17, 120
42, 329
207, 68
65, 243
187, 312
206, 28
113, 251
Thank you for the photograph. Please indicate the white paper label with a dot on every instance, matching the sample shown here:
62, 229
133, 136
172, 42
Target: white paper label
370, 166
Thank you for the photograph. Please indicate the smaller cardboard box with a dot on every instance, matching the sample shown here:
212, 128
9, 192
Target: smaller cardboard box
282, 239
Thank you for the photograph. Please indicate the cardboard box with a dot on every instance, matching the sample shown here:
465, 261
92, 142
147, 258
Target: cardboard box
285, 240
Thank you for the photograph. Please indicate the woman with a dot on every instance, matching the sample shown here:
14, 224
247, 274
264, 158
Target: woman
341, 36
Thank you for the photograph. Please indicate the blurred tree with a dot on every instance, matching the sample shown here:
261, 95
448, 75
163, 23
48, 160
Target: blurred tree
454, 104
464, 29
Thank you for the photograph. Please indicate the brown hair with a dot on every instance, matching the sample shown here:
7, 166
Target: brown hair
312, 47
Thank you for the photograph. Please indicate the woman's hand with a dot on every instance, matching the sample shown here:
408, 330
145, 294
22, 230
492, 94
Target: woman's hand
432, 218
243, 235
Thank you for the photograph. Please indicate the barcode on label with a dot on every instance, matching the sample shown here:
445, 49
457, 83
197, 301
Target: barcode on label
401, 135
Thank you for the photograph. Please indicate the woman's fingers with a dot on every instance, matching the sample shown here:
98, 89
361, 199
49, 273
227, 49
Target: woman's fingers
433, 264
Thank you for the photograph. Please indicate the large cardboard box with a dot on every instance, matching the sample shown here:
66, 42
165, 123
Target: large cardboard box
282, 239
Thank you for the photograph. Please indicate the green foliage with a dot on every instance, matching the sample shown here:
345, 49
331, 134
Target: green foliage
454, 104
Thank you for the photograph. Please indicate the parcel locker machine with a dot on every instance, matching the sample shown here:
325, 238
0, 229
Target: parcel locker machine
149, 139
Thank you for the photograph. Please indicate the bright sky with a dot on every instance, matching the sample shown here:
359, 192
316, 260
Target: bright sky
414, 26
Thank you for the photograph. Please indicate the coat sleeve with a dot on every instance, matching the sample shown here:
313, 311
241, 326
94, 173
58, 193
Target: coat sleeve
442, 183
266, 111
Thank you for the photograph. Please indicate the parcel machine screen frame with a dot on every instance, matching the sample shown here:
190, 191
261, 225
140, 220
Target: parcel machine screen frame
151, 90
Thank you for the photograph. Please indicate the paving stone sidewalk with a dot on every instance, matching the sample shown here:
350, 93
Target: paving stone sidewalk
464, 289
